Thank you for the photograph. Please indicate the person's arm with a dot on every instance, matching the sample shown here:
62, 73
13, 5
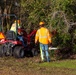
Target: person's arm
49, 37
36, 37
20, 32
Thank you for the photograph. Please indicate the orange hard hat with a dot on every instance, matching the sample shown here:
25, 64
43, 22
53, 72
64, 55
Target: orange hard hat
41, 23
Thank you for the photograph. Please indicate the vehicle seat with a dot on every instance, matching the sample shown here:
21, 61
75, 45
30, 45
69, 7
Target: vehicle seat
10, 35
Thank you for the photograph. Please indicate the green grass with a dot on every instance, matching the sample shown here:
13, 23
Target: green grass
62, 64
31, 66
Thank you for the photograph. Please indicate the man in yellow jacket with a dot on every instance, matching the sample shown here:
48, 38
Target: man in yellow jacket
44, 38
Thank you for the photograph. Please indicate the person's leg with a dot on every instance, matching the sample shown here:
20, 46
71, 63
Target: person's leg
47, 53
22, 40
42, 52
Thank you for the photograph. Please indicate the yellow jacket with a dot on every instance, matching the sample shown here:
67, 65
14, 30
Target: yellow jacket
13, 27
43, 36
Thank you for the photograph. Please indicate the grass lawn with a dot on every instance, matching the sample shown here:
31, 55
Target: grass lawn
31, 66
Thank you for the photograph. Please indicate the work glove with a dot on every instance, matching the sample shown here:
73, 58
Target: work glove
50, 45
36, 44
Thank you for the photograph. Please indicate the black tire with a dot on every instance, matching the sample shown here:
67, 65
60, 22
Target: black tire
2, 50
34, 52
18, 52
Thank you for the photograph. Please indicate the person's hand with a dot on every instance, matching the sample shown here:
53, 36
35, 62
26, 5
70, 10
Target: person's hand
50, 44
35, 42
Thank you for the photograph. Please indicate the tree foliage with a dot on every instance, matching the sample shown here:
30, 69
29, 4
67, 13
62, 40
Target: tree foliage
59, 16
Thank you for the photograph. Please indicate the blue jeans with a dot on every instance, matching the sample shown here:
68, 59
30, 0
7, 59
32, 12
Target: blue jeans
44, 52
22, 40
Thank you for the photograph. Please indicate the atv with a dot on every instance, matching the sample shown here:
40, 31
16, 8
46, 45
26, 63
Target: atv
12, 46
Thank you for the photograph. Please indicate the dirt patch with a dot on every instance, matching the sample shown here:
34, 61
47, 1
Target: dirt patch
73, 56
30, 66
